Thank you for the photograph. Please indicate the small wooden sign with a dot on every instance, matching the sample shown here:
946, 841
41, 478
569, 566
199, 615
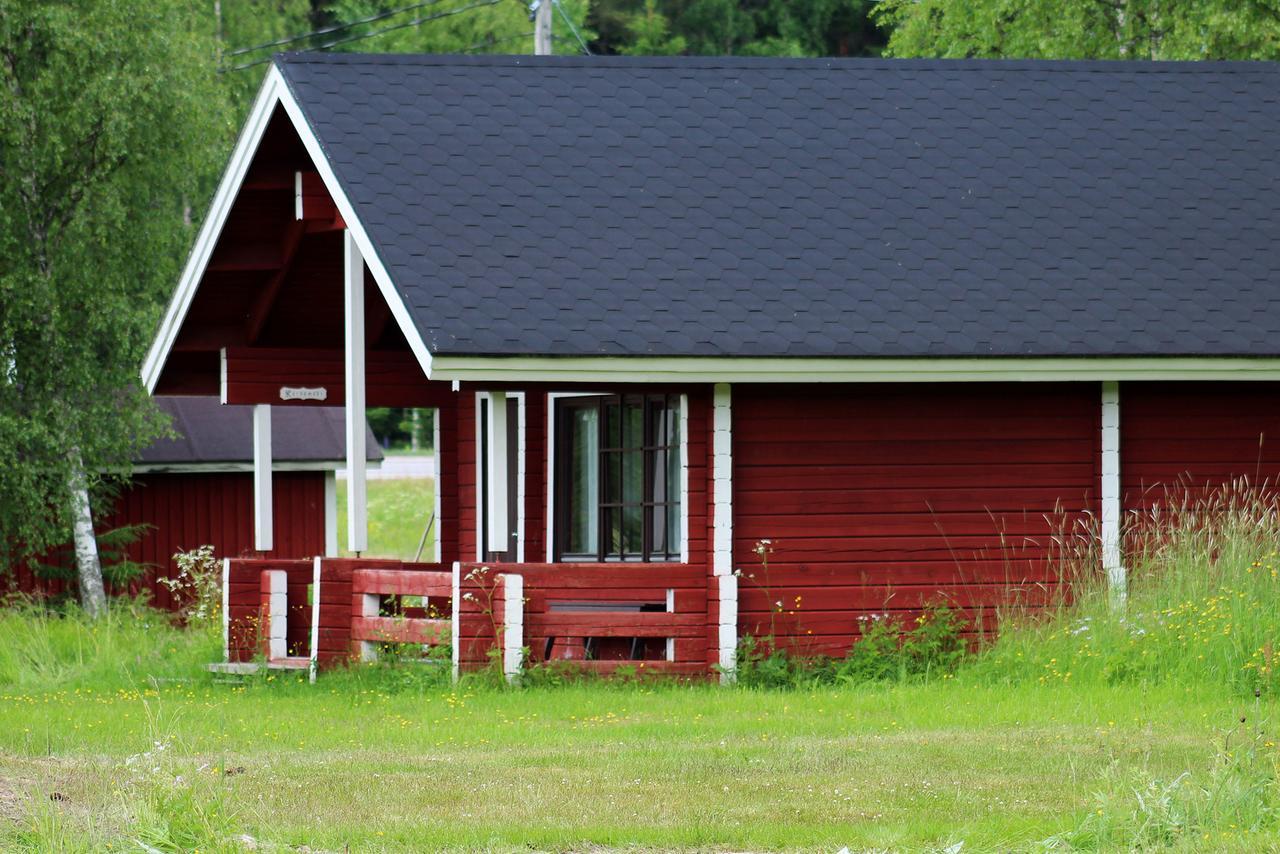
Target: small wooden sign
293, 393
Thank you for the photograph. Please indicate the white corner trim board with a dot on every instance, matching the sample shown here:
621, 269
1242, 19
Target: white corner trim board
722, 479
1112, 559
274, 92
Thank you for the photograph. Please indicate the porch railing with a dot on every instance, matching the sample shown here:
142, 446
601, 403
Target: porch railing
602, 617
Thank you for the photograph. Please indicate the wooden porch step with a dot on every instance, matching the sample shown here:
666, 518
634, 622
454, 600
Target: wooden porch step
246, 668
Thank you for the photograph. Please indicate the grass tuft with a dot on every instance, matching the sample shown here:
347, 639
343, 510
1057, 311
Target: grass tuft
1202, 610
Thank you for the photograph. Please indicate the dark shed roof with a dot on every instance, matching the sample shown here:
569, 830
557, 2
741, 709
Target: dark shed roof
704, 207
212, 433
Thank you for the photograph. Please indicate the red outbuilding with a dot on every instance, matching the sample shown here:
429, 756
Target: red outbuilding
198, 489
896, 327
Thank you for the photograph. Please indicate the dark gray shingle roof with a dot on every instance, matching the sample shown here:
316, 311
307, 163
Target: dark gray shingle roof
683, 206
209, 432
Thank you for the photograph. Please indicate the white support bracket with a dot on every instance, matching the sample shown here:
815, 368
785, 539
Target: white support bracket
1112, 557
512, 625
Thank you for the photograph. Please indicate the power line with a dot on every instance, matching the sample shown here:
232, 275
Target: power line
336, 28
495, 42
586, 50
458, 10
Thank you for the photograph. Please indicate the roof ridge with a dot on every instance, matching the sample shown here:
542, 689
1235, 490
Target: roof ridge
783, 63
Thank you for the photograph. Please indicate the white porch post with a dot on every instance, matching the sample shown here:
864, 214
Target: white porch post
263, 520
314, 664
353, 301
722, 526
512, 625
331, 513
1112, 560
455, 619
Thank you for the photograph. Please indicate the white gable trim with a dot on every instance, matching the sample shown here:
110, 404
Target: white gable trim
711, 369
274, 92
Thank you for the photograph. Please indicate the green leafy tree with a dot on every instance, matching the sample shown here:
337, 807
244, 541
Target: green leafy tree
651, 34
452, 26
247, 32
1083, 29
109, 115
742, 27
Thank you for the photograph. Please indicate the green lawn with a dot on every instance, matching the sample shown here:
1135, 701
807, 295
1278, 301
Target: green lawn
1092, 727
373, 764
398, 513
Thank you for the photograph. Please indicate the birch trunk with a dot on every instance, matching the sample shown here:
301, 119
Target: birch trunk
93, 597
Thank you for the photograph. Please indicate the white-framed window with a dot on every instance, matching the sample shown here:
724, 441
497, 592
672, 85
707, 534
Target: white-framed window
618, 484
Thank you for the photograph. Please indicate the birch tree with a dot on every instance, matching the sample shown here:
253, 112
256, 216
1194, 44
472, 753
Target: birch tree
109, 119
1083, 29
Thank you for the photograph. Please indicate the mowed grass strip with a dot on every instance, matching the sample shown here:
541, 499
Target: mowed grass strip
365, 763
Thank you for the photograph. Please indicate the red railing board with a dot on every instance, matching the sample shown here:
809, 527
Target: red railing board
338, 593
398, 630
401, 582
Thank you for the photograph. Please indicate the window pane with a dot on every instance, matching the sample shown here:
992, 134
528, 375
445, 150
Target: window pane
632, 530
612, 426
584, 480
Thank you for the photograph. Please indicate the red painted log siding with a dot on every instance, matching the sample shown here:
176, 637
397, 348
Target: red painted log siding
190, 510
888, 497
1175, 436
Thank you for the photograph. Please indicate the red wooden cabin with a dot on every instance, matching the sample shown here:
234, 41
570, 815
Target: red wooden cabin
902, 322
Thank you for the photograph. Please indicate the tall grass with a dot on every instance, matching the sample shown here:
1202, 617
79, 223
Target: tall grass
132, 645
1203, 603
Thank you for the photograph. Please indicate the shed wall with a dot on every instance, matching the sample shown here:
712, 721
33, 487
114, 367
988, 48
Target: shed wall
188, 510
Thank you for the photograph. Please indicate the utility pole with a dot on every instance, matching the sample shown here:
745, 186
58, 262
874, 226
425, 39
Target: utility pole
541, 10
